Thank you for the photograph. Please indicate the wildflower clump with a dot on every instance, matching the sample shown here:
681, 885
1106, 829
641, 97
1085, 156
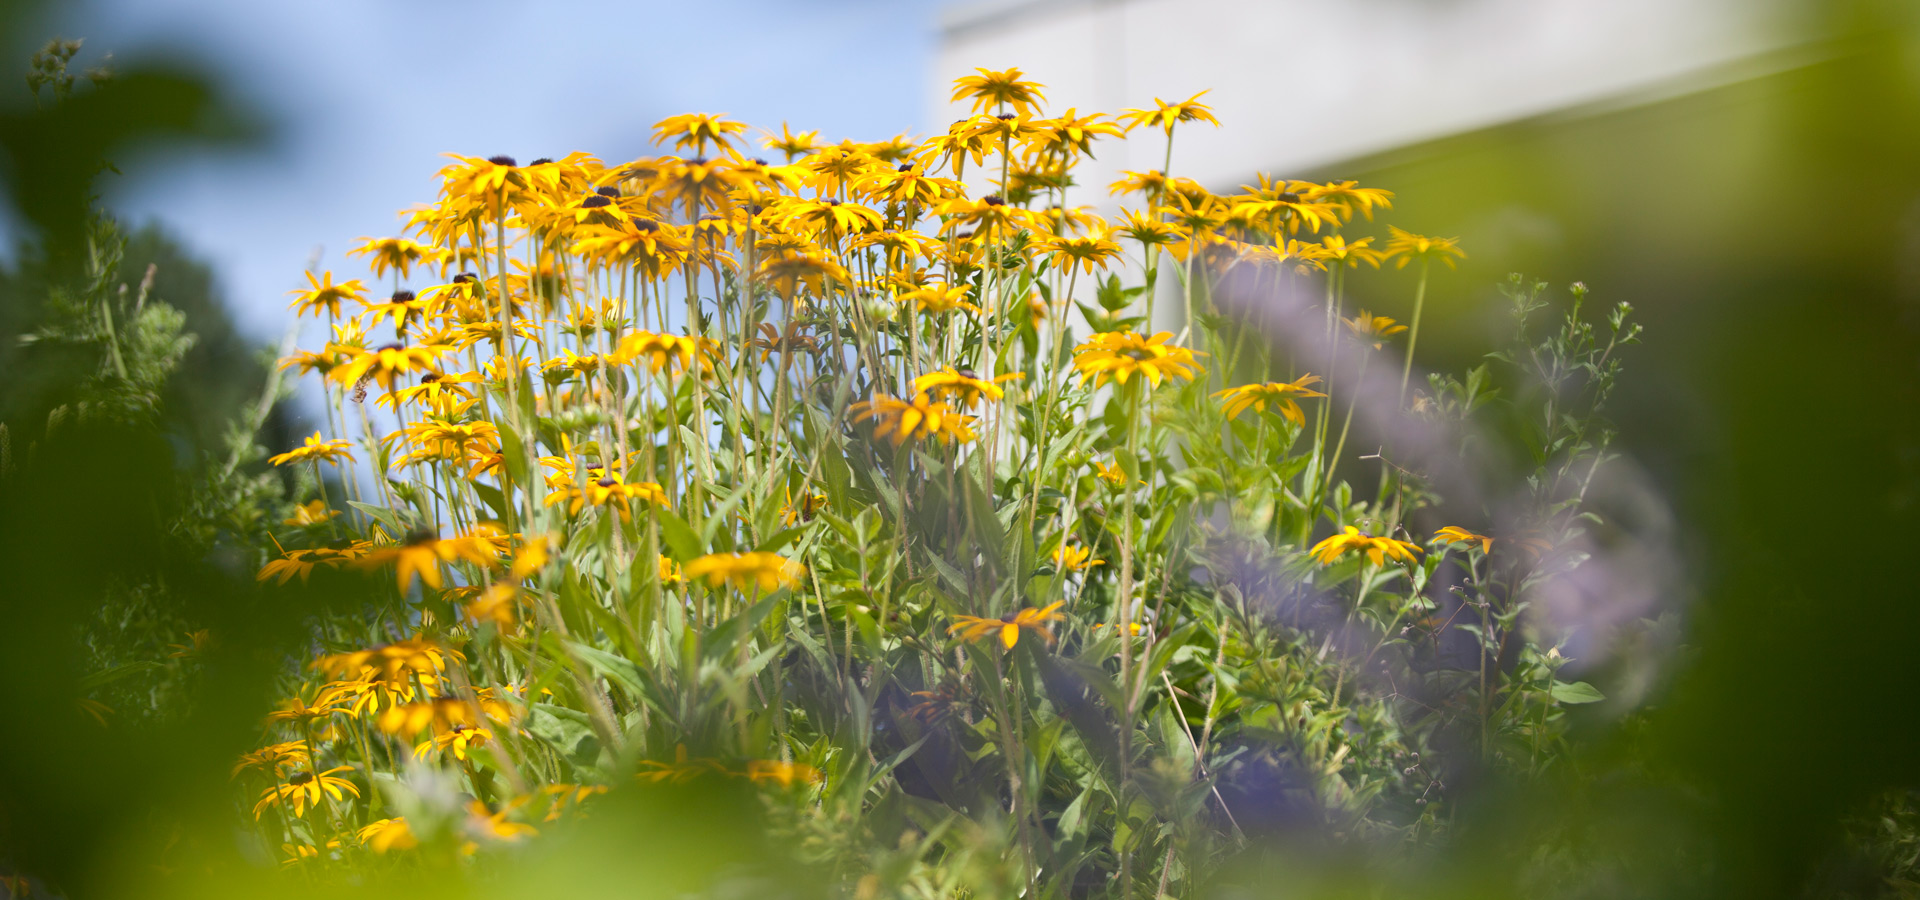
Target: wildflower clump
709, 468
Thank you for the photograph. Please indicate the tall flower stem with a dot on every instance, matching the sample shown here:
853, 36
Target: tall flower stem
1413, 332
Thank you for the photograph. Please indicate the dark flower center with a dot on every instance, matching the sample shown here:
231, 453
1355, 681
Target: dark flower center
463, 278
386, 347
1289, 197
541, 161
430, 378
300, 778
502, 160
906, 167
1005, 117
422, 536
595, 201
759, 162
993, 200
646, 225
607, 482
402, 297
608, 191
340, 544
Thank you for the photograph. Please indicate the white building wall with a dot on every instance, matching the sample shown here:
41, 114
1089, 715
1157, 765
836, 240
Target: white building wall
1304, 83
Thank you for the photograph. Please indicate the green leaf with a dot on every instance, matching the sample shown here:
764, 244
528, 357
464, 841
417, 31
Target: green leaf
1575, 692
682, 543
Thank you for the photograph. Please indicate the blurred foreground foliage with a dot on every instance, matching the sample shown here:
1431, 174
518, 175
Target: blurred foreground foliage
1776, 762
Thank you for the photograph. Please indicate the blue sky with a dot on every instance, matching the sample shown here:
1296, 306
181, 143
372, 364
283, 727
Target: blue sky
364, 96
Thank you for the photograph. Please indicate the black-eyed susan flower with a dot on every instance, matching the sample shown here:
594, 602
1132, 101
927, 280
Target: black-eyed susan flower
1165, 115
392, 663
695, 131
762, 572
792, 145
323, 294
1007, 629
1454, 534
309, 514
1119, 355
1280, 395
1074, 558
1404, 247
303, 790
387, 363
1334, 249
456, 740
990, 89
273, 759
395, 254
301, 563
316, 449
957, 384
939, 298
387, 835
1086, 252
780, 772
1377, 549
609, 490
916, 419
665, 352
1368, 328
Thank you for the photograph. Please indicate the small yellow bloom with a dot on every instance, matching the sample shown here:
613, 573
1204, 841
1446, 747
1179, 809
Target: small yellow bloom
325, 295
1003, 88
974, 628
1111, 474
1454, 534
1165, 115
763, 572
1120, 355
670, 573
304, 789
456, 740
314, 513
1072, 558
1279, 394
910, 420
1404, 247
961, 384
784, 774
383, 835
1368, 328
1377, 549
316, 448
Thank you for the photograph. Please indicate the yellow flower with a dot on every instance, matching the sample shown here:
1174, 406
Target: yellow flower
765, 572
670, 573
315, 513
1279, 394
1004, 88
920, 418
939, 298
383, 835
1166, 115
959, 384
303, 562
694, 131
1086, 251
1120, 355
456, 740
667, 352
1377, 549
273, 758
316, 448
803, 144
975, 628
393, 663
1335, 248
1368, 328
392, 254
1071, 558
324, 294
1111, 474
386, 363
498, 604
784, 774
1404, 247
609, 490
809, 505
1454, 534
304, 789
